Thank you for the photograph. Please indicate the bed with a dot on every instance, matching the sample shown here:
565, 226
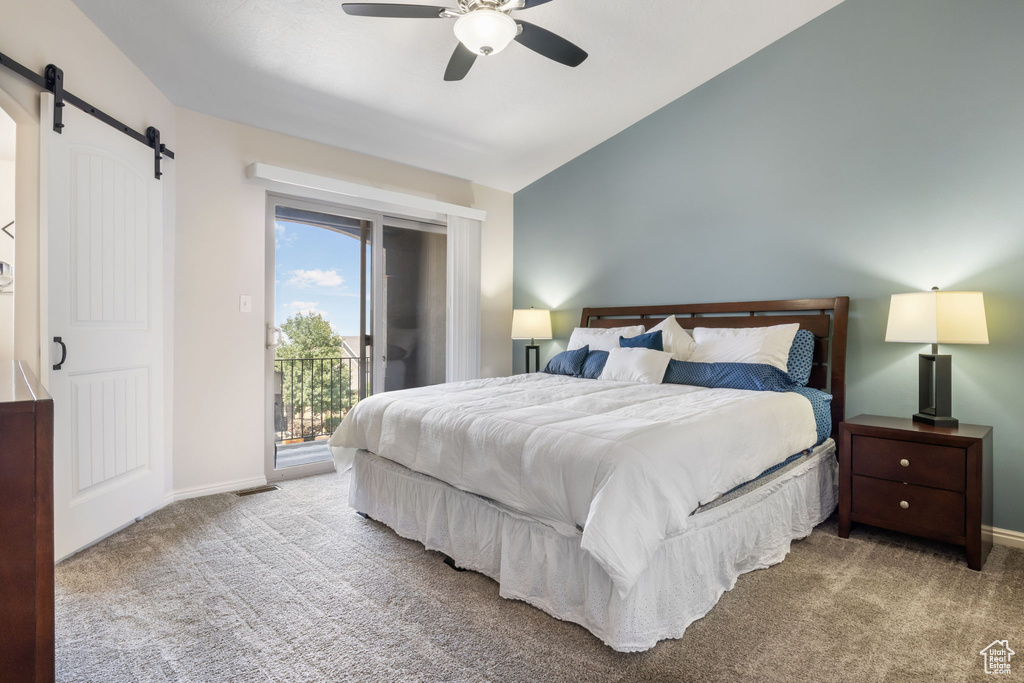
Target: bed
628, 509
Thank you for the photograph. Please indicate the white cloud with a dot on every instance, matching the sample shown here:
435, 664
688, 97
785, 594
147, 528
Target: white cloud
306, 308
316, 278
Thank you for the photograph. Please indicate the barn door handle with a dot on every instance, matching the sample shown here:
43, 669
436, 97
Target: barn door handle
63, 353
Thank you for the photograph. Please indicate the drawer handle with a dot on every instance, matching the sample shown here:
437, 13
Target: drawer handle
904, 463
904, 504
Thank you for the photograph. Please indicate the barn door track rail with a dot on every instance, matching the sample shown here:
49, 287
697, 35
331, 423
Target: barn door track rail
52, 80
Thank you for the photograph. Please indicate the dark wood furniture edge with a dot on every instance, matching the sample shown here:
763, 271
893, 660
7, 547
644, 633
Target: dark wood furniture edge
24, 394
845, 480
977, 442
972, 530
770, 306
937, 436
839, 306
837, 360
987, 496
45, 625
908, 529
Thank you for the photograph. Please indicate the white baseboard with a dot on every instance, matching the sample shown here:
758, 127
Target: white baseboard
224, 487
1011, 539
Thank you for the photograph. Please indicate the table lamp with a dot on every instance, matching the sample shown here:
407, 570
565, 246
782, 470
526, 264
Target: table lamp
532, 324
936, 318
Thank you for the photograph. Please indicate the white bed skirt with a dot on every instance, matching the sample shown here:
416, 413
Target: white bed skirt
534, 563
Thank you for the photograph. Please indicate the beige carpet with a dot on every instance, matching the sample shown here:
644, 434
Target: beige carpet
293, 586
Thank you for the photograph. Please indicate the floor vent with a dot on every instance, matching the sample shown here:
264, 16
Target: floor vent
258, 489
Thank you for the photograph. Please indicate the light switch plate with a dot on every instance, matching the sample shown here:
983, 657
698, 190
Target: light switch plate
245, 304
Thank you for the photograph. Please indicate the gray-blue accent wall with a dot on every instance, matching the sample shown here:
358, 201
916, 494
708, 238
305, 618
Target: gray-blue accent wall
877, 149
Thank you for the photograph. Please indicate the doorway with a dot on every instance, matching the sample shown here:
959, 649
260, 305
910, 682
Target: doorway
356, 304
8, 135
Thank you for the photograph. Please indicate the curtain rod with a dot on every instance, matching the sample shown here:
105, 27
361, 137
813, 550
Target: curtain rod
52, 81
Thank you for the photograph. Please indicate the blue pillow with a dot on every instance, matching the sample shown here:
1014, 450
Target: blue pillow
594, 365
801, 358
568, 362
750, 376
651, 340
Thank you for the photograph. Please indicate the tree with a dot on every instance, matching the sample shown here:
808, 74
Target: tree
309, 336
315, 379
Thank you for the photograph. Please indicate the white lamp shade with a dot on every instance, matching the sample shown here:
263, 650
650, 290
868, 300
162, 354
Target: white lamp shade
531, 323
485, 31
937, 317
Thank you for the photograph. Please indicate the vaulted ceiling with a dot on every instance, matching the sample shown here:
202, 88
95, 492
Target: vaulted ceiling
306, 68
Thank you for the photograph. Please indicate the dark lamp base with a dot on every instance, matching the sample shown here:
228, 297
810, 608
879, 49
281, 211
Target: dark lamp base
936, 421
535, 351
935, 393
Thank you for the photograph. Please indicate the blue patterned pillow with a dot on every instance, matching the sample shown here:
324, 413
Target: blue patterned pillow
568, 362
749, 376
651, 340
801, 358
594, 364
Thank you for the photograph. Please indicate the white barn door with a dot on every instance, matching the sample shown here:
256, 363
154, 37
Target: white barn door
103, 289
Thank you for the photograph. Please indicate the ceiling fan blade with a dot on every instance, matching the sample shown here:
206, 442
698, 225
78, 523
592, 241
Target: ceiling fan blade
550, 45
367, 9
533, 3
459, 65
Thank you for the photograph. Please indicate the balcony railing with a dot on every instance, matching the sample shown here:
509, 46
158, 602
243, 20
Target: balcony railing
312, 395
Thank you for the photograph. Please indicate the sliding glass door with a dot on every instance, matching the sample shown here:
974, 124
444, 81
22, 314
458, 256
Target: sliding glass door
356, 304
414, 304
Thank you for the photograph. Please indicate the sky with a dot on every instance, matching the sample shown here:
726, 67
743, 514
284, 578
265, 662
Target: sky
317, 270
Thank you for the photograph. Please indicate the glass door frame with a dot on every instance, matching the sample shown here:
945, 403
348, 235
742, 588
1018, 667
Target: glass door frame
371, 321
414, 224
372, 308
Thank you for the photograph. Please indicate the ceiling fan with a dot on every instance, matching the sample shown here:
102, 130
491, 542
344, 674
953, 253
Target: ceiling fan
483, 27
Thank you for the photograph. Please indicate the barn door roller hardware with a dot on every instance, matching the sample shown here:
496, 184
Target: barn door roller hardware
52, 81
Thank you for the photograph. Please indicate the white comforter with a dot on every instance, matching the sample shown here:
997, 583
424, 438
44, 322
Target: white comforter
625, 462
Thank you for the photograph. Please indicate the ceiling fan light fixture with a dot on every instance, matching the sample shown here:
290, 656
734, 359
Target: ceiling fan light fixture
485, 31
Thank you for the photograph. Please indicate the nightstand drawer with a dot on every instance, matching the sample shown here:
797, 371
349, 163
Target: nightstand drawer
942, 467
909, 505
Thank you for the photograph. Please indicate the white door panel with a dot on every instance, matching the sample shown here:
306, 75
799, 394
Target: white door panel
109, 241
109, 427
104, 237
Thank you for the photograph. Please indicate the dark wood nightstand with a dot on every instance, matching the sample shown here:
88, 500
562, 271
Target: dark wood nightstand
928, 481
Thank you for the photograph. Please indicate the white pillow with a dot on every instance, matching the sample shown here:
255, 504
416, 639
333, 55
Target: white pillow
674, 338
767, 345
601, 338
636, 365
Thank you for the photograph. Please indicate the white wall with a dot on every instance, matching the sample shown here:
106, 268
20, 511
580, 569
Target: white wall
496, 282
6, 243
219, 352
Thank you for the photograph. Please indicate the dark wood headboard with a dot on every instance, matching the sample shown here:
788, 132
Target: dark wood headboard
825, 318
